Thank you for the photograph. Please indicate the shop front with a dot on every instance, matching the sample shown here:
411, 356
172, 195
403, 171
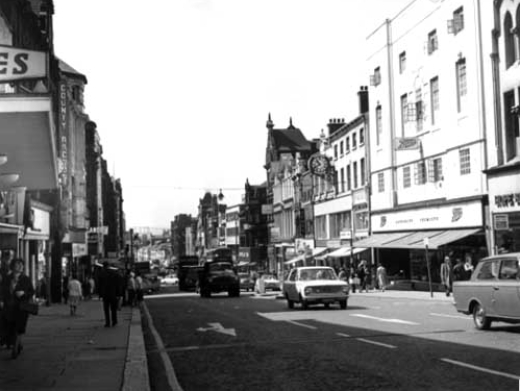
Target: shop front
404, 240
504, 204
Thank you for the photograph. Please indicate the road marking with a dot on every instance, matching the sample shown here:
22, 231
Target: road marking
482, 369
385, 319
450, 316
217, 327
301, 324
377, 343
343, 335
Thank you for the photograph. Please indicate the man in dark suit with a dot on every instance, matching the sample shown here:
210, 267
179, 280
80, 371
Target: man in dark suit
110, 291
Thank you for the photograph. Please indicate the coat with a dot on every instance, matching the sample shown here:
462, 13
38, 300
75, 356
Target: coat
446, 274
110, 284
12, 314
382, 278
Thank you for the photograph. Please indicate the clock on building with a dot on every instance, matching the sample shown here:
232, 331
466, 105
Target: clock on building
319, 165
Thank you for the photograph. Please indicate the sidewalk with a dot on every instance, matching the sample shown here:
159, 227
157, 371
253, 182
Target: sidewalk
63, 352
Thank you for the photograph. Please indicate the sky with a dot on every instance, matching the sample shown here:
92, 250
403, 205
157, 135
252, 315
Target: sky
181, 90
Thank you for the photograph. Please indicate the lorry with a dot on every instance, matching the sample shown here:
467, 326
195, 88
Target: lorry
218, 276
188, 272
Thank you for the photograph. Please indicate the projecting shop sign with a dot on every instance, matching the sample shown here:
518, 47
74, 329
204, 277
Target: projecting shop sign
18, 64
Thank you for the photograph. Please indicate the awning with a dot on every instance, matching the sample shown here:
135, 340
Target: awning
318, 250
346, 252
295, 259
415, 240
28, 140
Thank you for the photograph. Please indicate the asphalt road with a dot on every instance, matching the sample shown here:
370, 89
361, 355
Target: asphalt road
257, 343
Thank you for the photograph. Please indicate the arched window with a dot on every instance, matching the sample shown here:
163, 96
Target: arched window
509, 40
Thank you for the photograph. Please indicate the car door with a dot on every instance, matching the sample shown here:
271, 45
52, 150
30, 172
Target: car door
289, 286
484, 286
507, 299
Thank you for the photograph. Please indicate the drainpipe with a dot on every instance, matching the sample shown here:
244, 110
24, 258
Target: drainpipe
389, 46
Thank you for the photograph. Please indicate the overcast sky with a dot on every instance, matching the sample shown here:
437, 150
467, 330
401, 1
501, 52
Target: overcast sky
181, 89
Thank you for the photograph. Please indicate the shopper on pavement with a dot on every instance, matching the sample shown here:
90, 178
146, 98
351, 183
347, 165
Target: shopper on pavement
131, 289
16, 288
109, 291
75, 294
382, 278
139, 288
447, 274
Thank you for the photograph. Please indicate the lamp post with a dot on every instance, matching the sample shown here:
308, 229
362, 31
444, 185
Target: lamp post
426, 244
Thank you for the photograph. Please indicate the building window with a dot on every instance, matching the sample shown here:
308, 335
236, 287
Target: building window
349, 178
362, 172
404, 112
342, 179
456, 25
355, 175
361, 136
420, 173
464, 161
433, 42
354, 140
341, 151
375, 79
402, 62
419, 110
435, 170
336, 151
462, 88
434, 96
338, 223
347, 144
321, 227
381, 182
512, 133
509, 40
379, 124
407, 178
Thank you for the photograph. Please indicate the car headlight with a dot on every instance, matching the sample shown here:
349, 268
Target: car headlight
308, 290
346, 289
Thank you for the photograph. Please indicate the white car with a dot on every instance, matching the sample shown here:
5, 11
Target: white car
315, 285
171, 279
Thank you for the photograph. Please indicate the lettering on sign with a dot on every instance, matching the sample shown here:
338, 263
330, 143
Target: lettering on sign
19, 64
63, 134
507, 200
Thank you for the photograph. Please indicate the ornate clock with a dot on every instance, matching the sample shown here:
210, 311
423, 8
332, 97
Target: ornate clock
319, 165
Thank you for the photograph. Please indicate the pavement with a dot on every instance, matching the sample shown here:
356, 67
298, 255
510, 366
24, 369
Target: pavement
64, 352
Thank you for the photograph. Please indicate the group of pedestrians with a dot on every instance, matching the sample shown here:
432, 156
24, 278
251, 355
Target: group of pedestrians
461, 271
359, 277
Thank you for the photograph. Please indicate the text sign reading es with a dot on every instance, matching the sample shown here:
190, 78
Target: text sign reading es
17, 64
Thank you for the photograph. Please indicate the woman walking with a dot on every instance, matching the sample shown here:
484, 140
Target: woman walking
75, 294
17, 288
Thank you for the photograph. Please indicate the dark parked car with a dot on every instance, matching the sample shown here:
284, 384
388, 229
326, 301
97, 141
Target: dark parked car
493, 291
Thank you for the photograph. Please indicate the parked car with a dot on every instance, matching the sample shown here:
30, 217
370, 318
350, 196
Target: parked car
315, 285
151, 283
493, 291
271, 282
170, 279
246, 281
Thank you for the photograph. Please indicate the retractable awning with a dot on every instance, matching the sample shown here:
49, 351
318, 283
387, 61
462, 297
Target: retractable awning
346, 252
415, 240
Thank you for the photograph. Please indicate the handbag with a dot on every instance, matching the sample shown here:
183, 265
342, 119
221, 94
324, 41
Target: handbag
30, 307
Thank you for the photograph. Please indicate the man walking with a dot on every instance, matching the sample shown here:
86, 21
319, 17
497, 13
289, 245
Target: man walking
446, 274
109, 291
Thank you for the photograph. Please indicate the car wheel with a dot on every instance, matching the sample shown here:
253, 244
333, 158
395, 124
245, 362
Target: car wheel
482, 322
327, 305
343, 304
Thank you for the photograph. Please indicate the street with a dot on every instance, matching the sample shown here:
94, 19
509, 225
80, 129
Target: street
378, 343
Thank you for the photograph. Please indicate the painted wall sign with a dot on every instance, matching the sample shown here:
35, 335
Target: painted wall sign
19, 64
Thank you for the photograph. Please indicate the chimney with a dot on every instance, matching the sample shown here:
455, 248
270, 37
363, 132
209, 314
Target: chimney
334, 124
363, 99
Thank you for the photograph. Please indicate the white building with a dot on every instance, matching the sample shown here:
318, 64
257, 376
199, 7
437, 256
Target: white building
430, 107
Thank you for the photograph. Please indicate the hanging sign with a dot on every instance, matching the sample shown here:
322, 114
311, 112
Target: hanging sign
19, 64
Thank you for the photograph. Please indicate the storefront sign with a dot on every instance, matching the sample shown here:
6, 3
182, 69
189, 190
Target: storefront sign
63, 145
304, 246
79, 249
501, 222
39, 223
19, 64
507, 200
450, 216
267, 209
345, 234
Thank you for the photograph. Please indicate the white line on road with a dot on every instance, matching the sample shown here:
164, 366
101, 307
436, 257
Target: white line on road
482, 369
377, 343
450, 316
343, 335
385, 319
301, 324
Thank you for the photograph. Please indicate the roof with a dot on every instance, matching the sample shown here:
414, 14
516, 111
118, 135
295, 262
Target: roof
290, 139
66, 68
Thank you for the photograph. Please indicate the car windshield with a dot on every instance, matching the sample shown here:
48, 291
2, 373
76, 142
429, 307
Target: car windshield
215, 267
317, 274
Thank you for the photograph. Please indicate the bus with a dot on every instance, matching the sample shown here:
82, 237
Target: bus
219, 254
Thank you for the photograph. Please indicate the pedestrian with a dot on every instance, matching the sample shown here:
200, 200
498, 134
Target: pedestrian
75, 293
382, 278
65, 288
363, 276
447, 275
459, 273
16, 289
353, 280
109, 291
468, 267
131, 289
139, 288
342, 274
92, 286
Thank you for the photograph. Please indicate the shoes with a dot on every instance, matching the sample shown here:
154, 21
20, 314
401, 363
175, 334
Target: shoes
114, 324
107, 325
